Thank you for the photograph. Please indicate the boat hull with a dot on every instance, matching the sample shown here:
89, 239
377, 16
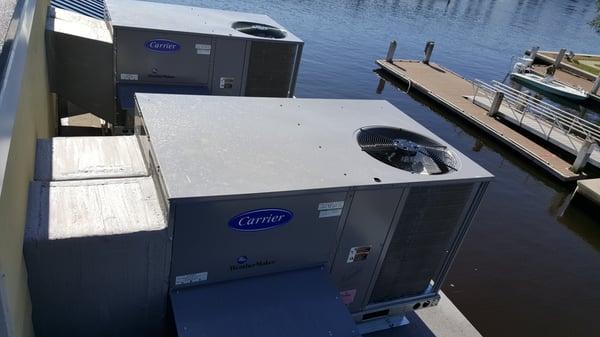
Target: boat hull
554, 87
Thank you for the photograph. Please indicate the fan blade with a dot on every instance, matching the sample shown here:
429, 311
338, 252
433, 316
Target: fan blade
375, 142
378, 148
440, 162
433, 147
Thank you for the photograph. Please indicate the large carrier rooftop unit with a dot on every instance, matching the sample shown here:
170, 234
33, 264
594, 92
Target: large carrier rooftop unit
258, 186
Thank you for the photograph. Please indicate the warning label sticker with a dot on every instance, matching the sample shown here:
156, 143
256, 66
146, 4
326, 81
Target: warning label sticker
330, 213
348, 296
203, 49
129, 77
191, 278
331, 205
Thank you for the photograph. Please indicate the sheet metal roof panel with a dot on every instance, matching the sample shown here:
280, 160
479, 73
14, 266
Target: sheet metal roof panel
293, 304
72, 158
97, 207
188, 19
209, 146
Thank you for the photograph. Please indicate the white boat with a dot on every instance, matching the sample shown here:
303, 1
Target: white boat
553, 86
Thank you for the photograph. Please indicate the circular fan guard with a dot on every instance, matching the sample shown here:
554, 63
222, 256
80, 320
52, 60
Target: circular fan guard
259, 29
407, 150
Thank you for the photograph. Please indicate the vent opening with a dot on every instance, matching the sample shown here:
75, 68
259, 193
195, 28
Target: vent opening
375, 314
259, 29
407, 150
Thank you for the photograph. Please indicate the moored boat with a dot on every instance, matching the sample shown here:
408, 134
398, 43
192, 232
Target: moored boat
552, 86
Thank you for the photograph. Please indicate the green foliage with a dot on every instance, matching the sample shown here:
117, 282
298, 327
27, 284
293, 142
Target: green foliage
596, 22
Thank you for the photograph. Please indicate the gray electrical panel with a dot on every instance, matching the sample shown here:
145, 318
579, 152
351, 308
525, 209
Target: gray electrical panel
265, 185
229, 53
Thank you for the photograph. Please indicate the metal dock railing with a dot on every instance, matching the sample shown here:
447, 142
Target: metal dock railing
563, 129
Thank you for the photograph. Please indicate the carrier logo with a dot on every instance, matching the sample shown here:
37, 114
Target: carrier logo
161, 45
260, 219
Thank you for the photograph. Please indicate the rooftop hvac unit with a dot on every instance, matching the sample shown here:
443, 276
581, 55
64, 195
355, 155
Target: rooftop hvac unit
229, 53
98, 63
272, 188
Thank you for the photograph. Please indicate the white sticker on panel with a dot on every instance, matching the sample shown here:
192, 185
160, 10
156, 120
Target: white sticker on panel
129, 77
331, 205
330, 213
203, 49
191, 278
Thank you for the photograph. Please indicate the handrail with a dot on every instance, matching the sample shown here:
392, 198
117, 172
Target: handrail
545, 108
522, 104
11, 77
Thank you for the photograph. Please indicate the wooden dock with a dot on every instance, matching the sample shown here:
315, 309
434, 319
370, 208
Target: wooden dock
450, 90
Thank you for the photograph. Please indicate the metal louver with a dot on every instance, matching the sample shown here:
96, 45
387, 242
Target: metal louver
92, 8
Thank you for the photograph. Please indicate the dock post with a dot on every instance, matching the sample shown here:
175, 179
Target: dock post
495, 107
596, 86
533, 53
380, 86
582, 156
559, 58
428, 51
391, 51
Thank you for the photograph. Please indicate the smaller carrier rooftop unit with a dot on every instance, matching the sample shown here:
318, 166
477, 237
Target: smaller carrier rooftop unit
140, 46
229, 53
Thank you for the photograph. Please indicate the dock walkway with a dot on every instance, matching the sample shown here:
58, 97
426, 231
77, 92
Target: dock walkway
590, 188
450, 89
546, 122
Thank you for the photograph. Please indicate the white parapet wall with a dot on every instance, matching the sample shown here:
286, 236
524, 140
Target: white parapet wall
26, 113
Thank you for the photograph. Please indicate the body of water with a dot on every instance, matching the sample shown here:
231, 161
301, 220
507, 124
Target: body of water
524, 270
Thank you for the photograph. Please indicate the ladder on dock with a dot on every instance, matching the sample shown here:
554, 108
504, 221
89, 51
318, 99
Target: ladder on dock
569, 132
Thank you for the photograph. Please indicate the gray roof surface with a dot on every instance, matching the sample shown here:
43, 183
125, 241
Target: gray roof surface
179, 18
209, 146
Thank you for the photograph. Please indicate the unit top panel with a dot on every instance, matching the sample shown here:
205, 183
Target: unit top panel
209, 146
188, 19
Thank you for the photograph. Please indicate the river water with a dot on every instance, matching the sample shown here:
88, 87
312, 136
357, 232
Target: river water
524, 270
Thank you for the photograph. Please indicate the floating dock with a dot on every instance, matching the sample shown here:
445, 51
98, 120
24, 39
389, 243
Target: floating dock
590, 188
452, 91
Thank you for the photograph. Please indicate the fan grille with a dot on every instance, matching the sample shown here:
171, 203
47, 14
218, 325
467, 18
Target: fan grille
259, 29
407, 150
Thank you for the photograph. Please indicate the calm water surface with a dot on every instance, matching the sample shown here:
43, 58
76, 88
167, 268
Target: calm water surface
523, 270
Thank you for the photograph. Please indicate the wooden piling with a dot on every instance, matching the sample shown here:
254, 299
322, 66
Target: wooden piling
391, 51
428, 51
596, 86
498, 97
559, 58
583, 156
